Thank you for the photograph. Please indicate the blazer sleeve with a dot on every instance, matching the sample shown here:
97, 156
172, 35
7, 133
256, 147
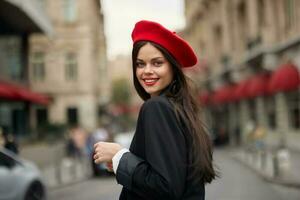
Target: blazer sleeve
162, 174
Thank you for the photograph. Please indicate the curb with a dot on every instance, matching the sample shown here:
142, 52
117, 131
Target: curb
266, 177
63, 175
65, 185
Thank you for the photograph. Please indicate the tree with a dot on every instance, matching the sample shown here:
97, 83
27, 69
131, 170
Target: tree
120, 92
121, 100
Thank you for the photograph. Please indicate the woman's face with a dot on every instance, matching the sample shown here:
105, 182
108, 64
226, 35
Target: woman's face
153, 70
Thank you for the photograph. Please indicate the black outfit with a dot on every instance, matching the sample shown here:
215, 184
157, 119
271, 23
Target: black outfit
157, 166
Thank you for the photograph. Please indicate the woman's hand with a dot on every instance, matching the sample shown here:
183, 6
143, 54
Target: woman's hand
109, 167
105, 151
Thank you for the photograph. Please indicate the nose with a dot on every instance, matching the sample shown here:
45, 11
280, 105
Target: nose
148, 69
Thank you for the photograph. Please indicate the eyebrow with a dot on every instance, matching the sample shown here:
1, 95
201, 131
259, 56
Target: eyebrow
156, 58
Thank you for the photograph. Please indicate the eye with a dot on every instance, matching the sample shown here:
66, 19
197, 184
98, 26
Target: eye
157, 63
140, 64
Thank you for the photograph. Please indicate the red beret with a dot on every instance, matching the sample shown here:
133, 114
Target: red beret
176, 46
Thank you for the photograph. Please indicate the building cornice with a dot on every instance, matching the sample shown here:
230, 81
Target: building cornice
260, 51
27, 15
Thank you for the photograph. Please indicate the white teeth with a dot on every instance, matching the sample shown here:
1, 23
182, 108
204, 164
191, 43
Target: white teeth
150, 80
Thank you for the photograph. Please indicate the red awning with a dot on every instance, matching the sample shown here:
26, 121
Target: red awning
204, 98
241, 90
258, 85
284, 79
14, 92
5, 92
224, 94
39, 98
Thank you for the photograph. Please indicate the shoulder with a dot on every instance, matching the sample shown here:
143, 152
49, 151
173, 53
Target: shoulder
158, 108
157, 102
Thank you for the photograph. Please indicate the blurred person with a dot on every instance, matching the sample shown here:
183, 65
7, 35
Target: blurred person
1, 138
259, 134
101, 134
170, 156
8, 140
249, 130
76, 144
10, 143
237, 134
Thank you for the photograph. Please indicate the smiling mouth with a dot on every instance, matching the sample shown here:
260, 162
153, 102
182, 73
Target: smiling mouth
150, 82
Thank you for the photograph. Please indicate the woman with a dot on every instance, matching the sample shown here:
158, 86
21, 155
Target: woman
170, 156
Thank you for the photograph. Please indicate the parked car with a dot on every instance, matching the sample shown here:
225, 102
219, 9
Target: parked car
19, 178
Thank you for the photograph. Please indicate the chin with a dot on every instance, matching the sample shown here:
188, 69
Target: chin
152, 92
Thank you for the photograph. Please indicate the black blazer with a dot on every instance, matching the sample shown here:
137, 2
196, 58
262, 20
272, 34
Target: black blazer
156, 168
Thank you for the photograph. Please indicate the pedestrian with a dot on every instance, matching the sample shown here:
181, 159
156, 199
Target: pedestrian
11, 143
2, 142
77, 141
170, 156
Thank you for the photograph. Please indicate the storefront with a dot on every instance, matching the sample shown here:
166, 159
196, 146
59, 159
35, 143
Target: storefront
18, 19
270, 100
15, 102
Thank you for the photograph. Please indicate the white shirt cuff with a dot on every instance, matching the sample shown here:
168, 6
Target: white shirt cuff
117, 157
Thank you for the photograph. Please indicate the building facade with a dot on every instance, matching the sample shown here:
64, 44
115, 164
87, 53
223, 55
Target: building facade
18, 20
70, 67
250, 52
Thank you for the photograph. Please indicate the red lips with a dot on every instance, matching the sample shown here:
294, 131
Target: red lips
150, 81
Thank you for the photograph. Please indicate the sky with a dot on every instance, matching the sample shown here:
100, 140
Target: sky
120, 17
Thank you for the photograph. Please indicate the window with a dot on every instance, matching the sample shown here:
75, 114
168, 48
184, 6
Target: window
19, 121
293, 99
10, 57
243, 23
41, 116
38, 66
290, 13
71, 67
70, 10
218, 37
72, 116
271, 112
252, 110
260, 13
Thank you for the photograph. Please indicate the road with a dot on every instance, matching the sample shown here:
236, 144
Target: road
236, 183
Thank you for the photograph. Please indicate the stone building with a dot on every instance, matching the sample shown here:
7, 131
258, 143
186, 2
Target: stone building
70, 66
18, 20
250, 52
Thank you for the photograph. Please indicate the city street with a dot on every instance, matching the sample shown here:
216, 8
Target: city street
80, 78
236, 183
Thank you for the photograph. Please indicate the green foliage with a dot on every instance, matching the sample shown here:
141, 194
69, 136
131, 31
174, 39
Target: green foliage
120, 92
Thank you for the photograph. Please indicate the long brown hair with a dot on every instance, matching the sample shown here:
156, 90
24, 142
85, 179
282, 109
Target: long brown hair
187, 109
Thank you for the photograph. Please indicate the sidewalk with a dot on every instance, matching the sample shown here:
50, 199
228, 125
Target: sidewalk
57, 170
284, 171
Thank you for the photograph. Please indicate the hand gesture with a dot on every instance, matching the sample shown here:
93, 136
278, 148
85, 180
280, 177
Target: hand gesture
105, 151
